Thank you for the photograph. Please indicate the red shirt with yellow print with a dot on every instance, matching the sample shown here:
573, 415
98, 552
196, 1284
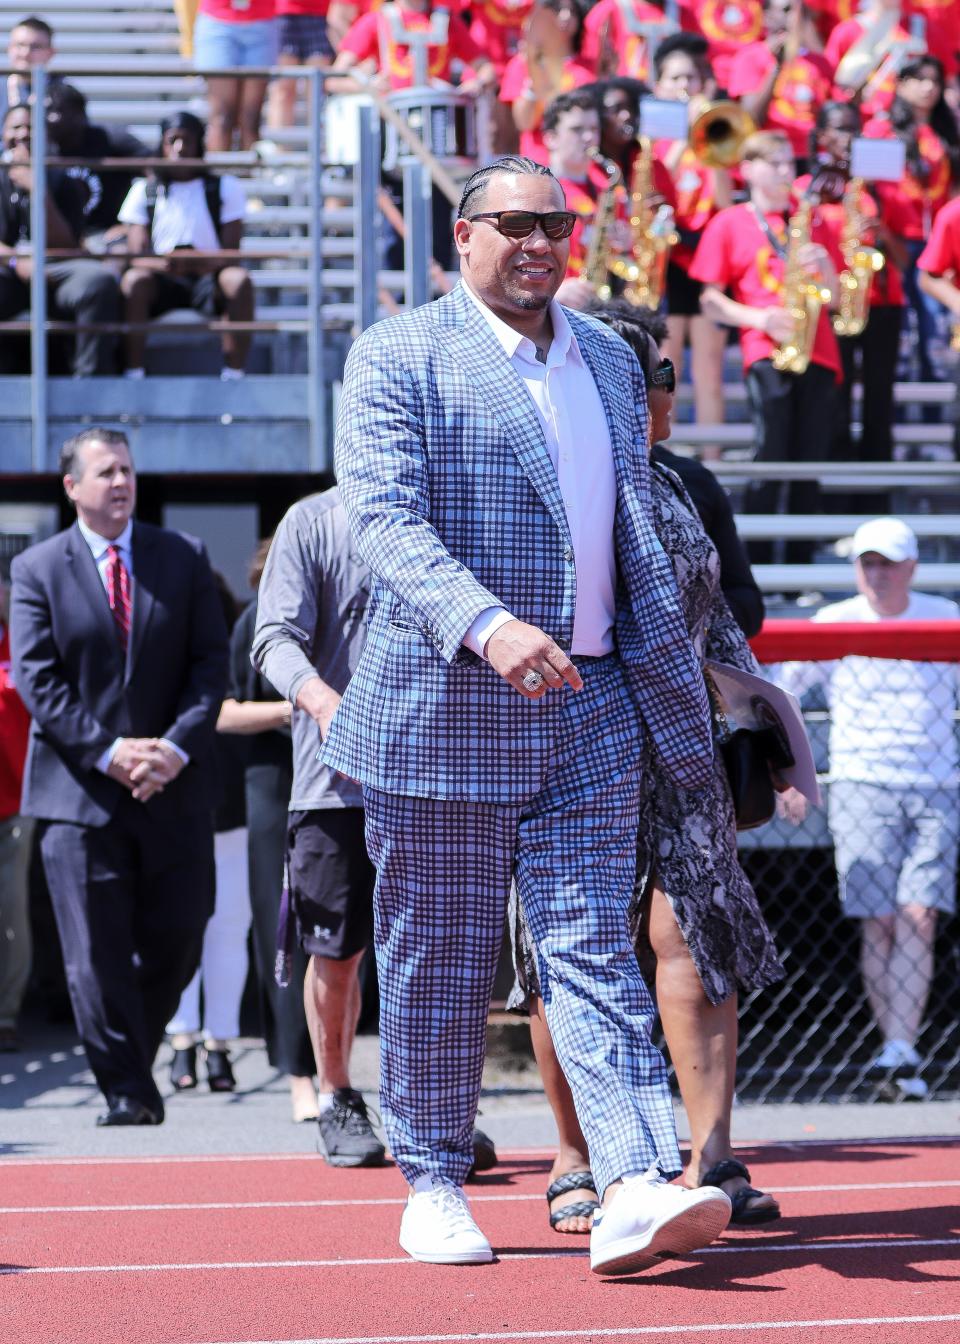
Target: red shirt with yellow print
694, 193
939, 39
727, 25
828, 13
801, 86
913, 202
497, 26
517, 75
606, 23
735, 254
941, 256
363, 38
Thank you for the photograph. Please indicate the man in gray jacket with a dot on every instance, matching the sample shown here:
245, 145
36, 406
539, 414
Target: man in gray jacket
311, 610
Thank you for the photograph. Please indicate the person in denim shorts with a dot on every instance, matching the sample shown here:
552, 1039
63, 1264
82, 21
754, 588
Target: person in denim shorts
231, 34
303, 40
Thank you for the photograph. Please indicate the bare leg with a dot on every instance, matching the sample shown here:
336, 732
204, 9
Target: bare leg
282, 99
703, 1046
138, 291
909, 971
186, 12
303, 1098
223, 96
236, 288
572, 1152
678, 329
707, 343
331, 999
876, 946
252, 95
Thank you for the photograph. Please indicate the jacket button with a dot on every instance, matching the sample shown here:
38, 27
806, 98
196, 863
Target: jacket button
568, 553
562, 643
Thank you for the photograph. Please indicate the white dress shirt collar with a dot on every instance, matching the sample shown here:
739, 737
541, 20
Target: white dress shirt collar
98, 545
563, 346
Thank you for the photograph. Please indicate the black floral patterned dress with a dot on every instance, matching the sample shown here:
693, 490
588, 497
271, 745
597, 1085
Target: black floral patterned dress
687, 840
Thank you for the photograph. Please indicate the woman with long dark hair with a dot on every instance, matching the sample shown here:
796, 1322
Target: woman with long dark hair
921, 118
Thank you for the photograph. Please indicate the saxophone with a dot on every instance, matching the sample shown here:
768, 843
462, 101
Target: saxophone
596, 269
804, 297
861, 264
653, 237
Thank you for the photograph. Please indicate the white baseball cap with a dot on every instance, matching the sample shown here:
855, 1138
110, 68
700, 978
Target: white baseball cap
889, 537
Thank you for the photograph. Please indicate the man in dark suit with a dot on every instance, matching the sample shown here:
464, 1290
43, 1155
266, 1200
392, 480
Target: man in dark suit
120, 653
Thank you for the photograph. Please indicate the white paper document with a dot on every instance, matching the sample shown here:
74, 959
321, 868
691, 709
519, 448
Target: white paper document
743, 694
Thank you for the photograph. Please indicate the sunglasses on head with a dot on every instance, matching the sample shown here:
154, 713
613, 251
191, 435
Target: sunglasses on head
555, 224
665, 376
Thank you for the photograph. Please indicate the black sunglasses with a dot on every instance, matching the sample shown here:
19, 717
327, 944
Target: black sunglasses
665, 376
521, 223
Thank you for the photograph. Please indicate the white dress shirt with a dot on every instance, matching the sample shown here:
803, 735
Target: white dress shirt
578, 440
99, 549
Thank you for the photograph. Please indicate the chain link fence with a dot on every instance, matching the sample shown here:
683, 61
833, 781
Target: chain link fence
857, 980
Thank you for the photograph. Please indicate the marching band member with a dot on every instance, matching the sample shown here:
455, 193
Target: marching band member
548, 64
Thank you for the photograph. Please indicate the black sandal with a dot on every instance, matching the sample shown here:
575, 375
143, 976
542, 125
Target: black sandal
743, 1216
183, 1069
219, 1072
583, 1208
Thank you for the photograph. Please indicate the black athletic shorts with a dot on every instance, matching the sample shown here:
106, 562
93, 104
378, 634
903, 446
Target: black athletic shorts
331, 881
304, 36
199, 292
683, 294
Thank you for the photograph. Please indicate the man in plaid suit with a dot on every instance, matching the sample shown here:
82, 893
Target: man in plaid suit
525, 632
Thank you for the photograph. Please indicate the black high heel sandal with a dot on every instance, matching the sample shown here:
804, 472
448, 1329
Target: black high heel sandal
183, 1069
219, 1071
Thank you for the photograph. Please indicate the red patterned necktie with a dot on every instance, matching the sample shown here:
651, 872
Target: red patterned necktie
118, 594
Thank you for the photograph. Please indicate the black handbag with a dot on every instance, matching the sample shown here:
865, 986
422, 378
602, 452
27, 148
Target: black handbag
749, 754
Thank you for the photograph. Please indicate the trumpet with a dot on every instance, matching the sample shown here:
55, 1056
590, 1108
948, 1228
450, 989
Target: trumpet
718, 133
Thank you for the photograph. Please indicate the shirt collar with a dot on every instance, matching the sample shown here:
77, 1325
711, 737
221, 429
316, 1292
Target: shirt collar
99, 544
563, 347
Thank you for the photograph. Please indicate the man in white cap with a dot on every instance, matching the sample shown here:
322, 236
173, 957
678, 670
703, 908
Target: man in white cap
894, 792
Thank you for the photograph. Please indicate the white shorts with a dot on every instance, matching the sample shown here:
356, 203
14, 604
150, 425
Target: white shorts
894, 846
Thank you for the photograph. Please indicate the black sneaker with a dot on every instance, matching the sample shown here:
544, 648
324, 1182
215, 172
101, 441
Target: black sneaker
346, 1137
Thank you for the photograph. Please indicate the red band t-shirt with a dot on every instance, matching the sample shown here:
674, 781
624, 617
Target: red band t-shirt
14, 729
256, 12
497, 27
802, 85
941, 256
735, 254
887, 287
363, 39
517, 75
914, 203
606, 25
727, 25
694, 194
316, 9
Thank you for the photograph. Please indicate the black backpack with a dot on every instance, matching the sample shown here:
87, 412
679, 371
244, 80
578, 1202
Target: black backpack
211, 193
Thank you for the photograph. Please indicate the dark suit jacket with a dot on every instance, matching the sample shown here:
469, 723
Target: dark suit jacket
83, 694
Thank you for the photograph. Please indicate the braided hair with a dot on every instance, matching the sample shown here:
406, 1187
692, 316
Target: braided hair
476, 184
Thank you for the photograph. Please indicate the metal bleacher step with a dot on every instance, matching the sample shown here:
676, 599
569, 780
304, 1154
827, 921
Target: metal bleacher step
831, 527
829, 578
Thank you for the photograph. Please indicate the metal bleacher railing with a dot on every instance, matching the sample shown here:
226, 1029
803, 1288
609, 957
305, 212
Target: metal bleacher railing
304, 397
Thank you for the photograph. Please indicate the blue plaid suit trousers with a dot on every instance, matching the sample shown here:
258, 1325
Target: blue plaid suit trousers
444, 869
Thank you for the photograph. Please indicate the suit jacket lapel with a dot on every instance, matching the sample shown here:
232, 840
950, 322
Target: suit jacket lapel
86, 576
144, 586
502, 389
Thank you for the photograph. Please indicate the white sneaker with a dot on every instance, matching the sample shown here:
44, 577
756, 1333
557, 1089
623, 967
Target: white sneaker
649, 1218
911, 1086
437, 1225
896, 1055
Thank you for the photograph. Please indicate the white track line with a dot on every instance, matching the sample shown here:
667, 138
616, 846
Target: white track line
939, 1140
222, 1205
802, 1248
622, 1332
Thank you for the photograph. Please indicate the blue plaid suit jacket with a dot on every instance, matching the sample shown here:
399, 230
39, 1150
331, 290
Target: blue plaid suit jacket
454, 505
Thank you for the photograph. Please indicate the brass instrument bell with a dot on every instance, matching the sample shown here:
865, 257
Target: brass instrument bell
718, 133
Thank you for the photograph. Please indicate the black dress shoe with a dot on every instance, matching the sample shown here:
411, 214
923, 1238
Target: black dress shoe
127, 1111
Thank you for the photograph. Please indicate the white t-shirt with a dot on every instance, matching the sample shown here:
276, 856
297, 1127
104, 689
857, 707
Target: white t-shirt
891, 721
181, 217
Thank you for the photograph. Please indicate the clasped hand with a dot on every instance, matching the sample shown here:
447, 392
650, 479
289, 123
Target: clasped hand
144, 765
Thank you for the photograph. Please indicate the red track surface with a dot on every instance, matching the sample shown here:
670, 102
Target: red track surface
90, 1258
